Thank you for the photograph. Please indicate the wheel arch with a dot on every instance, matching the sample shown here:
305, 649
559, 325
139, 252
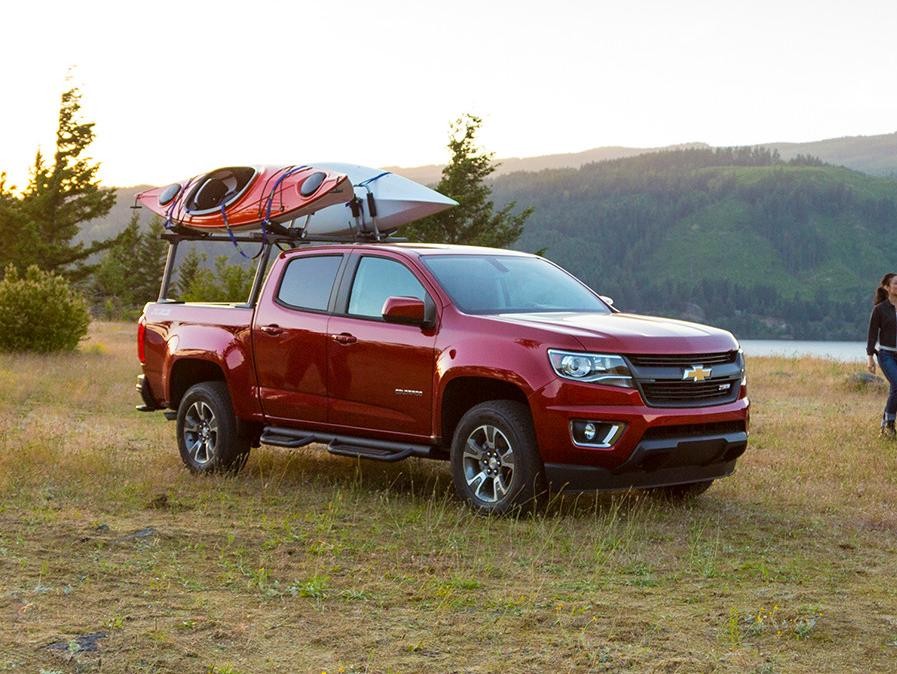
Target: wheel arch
185, 372
464, 392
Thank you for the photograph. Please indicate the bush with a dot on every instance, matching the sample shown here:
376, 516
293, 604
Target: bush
40, 311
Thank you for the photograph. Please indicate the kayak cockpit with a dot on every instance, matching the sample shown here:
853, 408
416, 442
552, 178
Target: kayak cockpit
219, 189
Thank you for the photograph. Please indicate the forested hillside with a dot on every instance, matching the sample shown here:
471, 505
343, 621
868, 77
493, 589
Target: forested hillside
736, 237
119, 216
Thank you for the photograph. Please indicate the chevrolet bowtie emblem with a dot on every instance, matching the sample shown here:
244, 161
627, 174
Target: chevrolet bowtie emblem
697, 373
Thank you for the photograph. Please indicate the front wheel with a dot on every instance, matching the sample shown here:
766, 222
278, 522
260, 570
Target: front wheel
208, 435
496, 465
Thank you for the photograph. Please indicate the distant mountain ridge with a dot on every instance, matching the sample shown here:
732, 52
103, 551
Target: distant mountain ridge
736, 237
875, 155
430, 173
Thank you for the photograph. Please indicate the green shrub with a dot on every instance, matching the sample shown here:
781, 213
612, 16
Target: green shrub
40, 311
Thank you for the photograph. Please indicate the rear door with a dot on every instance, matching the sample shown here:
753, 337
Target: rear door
290, 338
380, 374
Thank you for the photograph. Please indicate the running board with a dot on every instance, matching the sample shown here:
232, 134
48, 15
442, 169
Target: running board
375, 453
276, 437
342, 445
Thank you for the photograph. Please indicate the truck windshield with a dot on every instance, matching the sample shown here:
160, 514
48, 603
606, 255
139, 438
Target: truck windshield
502, 284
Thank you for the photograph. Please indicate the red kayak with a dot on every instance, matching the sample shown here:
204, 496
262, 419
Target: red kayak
244, 197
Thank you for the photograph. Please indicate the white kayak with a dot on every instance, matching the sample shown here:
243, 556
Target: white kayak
396, 200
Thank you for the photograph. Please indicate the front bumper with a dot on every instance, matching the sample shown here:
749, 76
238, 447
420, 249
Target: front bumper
659, 446
657, 462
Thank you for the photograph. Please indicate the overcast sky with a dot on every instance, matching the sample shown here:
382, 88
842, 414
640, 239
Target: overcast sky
176, 88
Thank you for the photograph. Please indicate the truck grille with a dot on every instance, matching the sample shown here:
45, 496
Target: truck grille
671, 393
686, 360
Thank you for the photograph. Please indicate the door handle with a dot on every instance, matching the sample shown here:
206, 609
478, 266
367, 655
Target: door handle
344, 338
272, 329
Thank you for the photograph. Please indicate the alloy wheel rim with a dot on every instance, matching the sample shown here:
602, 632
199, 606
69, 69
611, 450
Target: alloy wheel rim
201, 433
488, 461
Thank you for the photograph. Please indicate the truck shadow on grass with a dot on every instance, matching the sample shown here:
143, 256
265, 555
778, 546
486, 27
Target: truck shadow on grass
416, 480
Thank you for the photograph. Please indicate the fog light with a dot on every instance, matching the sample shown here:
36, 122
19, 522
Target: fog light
601, 434
588, 431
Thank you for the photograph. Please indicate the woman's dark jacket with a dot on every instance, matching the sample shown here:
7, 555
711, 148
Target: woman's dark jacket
882, 327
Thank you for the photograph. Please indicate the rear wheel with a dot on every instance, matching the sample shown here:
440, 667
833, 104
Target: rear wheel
208, 435
496, 466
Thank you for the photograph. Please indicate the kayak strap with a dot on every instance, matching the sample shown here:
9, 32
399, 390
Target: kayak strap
364, 183
233, 239
270, 199
266, 221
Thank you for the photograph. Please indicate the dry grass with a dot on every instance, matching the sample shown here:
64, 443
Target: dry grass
307, 562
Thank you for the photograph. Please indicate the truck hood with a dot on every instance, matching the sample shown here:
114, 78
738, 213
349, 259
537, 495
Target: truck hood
629, 333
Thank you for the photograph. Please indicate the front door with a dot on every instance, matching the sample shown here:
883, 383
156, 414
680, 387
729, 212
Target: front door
380, 374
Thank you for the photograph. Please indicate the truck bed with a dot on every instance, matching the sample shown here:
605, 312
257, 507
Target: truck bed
215, 333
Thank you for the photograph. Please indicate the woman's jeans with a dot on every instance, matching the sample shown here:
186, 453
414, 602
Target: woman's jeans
888, 362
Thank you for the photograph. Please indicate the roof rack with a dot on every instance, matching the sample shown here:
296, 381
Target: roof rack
271, 233
274, 234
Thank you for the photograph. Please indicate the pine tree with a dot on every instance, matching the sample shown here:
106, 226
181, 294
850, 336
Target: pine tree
130, 272
13, 234
226, 283
474, 221
112, 278
61, 196
150, 263
189, 269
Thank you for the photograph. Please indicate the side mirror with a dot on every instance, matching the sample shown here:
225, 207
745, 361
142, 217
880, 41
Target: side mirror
408, 310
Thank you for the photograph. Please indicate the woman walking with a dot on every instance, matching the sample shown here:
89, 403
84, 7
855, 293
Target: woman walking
883, 329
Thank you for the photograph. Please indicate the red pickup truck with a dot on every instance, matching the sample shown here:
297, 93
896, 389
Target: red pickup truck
498, 361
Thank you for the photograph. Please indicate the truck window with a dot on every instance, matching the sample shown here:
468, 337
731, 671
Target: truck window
307, 282
378, 278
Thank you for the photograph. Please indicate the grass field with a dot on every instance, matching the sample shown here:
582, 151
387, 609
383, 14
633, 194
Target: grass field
114, 559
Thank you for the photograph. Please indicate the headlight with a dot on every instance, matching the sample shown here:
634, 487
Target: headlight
591, 367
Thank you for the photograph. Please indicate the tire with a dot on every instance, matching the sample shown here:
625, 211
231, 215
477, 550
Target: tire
208, 435
683, 492
496, 467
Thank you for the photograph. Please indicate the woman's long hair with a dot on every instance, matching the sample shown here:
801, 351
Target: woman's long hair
880, 293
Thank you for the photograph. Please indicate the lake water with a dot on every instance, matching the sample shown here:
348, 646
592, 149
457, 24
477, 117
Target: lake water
845, 351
